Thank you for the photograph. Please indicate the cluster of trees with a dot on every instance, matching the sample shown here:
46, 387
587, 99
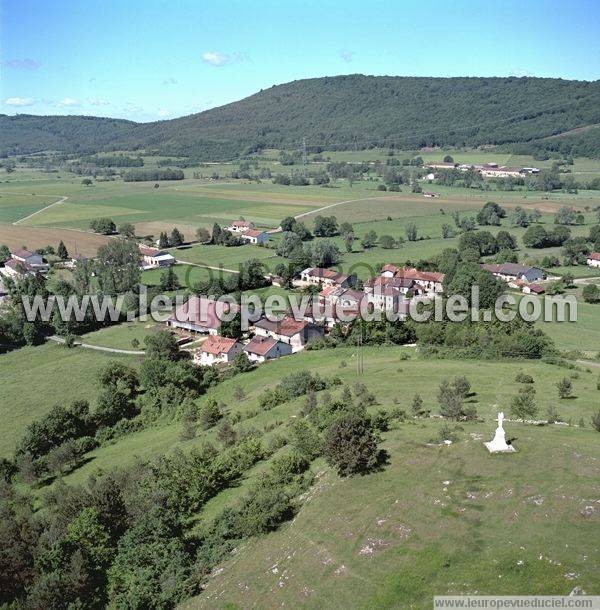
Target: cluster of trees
537, 236
113, 161
104, 226
252, 275
172, 240
222, 237
143, 175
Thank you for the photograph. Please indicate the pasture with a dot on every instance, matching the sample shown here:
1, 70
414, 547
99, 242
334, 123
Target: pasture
34, 379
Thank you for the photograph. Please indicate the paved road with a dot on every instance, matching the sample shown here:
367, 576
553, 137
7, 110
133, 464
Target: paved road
98, 348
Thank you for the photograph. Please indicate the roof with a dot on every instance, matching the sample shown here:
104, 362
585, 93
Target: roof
326, 274
19, 266
423, 276
154, 252
389, 268
509, 269
260, 346
594, 256
536, 288
22, 253
252, 233
242, 223
393, 282
287, 326
216, 345
203, 312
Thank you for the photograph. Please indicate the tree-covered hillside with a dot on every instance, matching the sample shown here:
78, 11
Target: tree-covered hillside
343, 112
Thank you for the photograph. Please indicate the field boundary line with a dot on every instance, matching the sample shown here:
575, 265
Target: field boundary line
99, 348
61, 200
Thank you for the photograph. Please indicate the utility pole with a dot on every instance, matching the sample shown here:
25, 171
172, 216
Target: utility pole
360, 354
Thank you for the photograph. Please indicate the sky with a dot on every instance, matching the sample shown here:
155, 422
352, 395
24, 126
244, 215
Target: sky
148, 60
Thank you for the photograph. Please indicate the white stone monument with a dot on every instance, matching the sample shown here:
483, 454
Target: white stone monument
498, 444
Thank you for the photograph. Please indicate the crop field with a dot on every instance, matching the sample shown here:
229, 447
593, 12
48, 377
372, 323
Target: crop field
33, 379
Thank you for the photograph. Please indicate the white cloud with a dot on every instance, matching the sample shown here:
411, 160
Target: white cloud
216, 59
69, 101
97, 101
23, 64
19, 101
169, 81
346, 55
163, 112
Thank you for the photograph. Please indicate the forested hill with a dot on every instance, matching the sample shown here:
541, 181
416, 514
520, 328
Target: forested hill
345, 112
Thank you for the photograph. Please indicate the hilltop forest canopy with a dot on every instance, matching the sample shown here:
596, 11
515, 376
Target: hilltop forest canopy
345, 113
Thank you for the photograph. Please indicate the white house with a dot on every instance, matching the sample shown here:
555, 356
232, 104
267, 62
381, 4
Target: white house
153, 257
260, 349
255, 236
240, 226
217, 350
326, 277
593, 259
296, 333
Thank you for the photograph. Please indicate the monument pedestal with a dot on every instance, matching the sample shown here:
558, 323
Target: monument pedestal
498, 444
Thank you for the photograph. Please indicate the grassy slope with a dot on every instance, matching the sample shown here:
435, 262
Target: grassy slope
437, 520
33, 379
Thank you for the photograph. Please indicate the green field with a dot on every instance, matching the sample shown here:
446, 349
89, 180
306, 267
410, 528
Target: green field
33, 379
120, 336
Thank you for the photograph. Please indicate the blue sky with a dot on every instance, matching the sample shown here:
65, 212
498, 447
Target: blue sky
149, 59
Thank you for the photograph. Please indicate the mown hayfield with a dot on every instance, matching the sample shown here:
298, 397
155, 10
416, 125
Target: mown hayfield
33, 379
82, 242
14, 205
222, 256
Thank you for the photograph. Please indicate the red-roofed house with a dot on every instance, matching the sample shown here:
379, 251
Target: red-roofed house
239, 226
16, 269
425, 281
255, 236
533, 288
593, 259
25, 256
217, 349
202, 315
153, 257
295, 333
326, 277
261, 349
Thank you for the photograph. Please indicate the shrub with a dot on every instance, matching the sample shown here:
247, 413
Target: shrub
350, 446
564, 387
210, 414
523, 404
524, 378
596, 421
381, 421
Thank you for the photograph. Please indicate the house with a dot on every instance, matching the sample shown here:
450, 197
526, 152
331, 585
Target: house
533, 288
326, 277
260, 349
415, 280
16, 269
442, 165
512, 272
240, 226
25, 256
202, 315
430, 194
492, 170
217, 350
153, 257
593, 259
255, 236
387, 293
296, 333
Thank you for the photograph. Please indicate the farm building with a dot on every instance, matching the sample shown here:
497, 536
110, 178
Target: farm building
255, 236
533, 289
202, 315
16, 269
512, 272
25, 256
260, 349
240, 226
296, 333
153, 257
